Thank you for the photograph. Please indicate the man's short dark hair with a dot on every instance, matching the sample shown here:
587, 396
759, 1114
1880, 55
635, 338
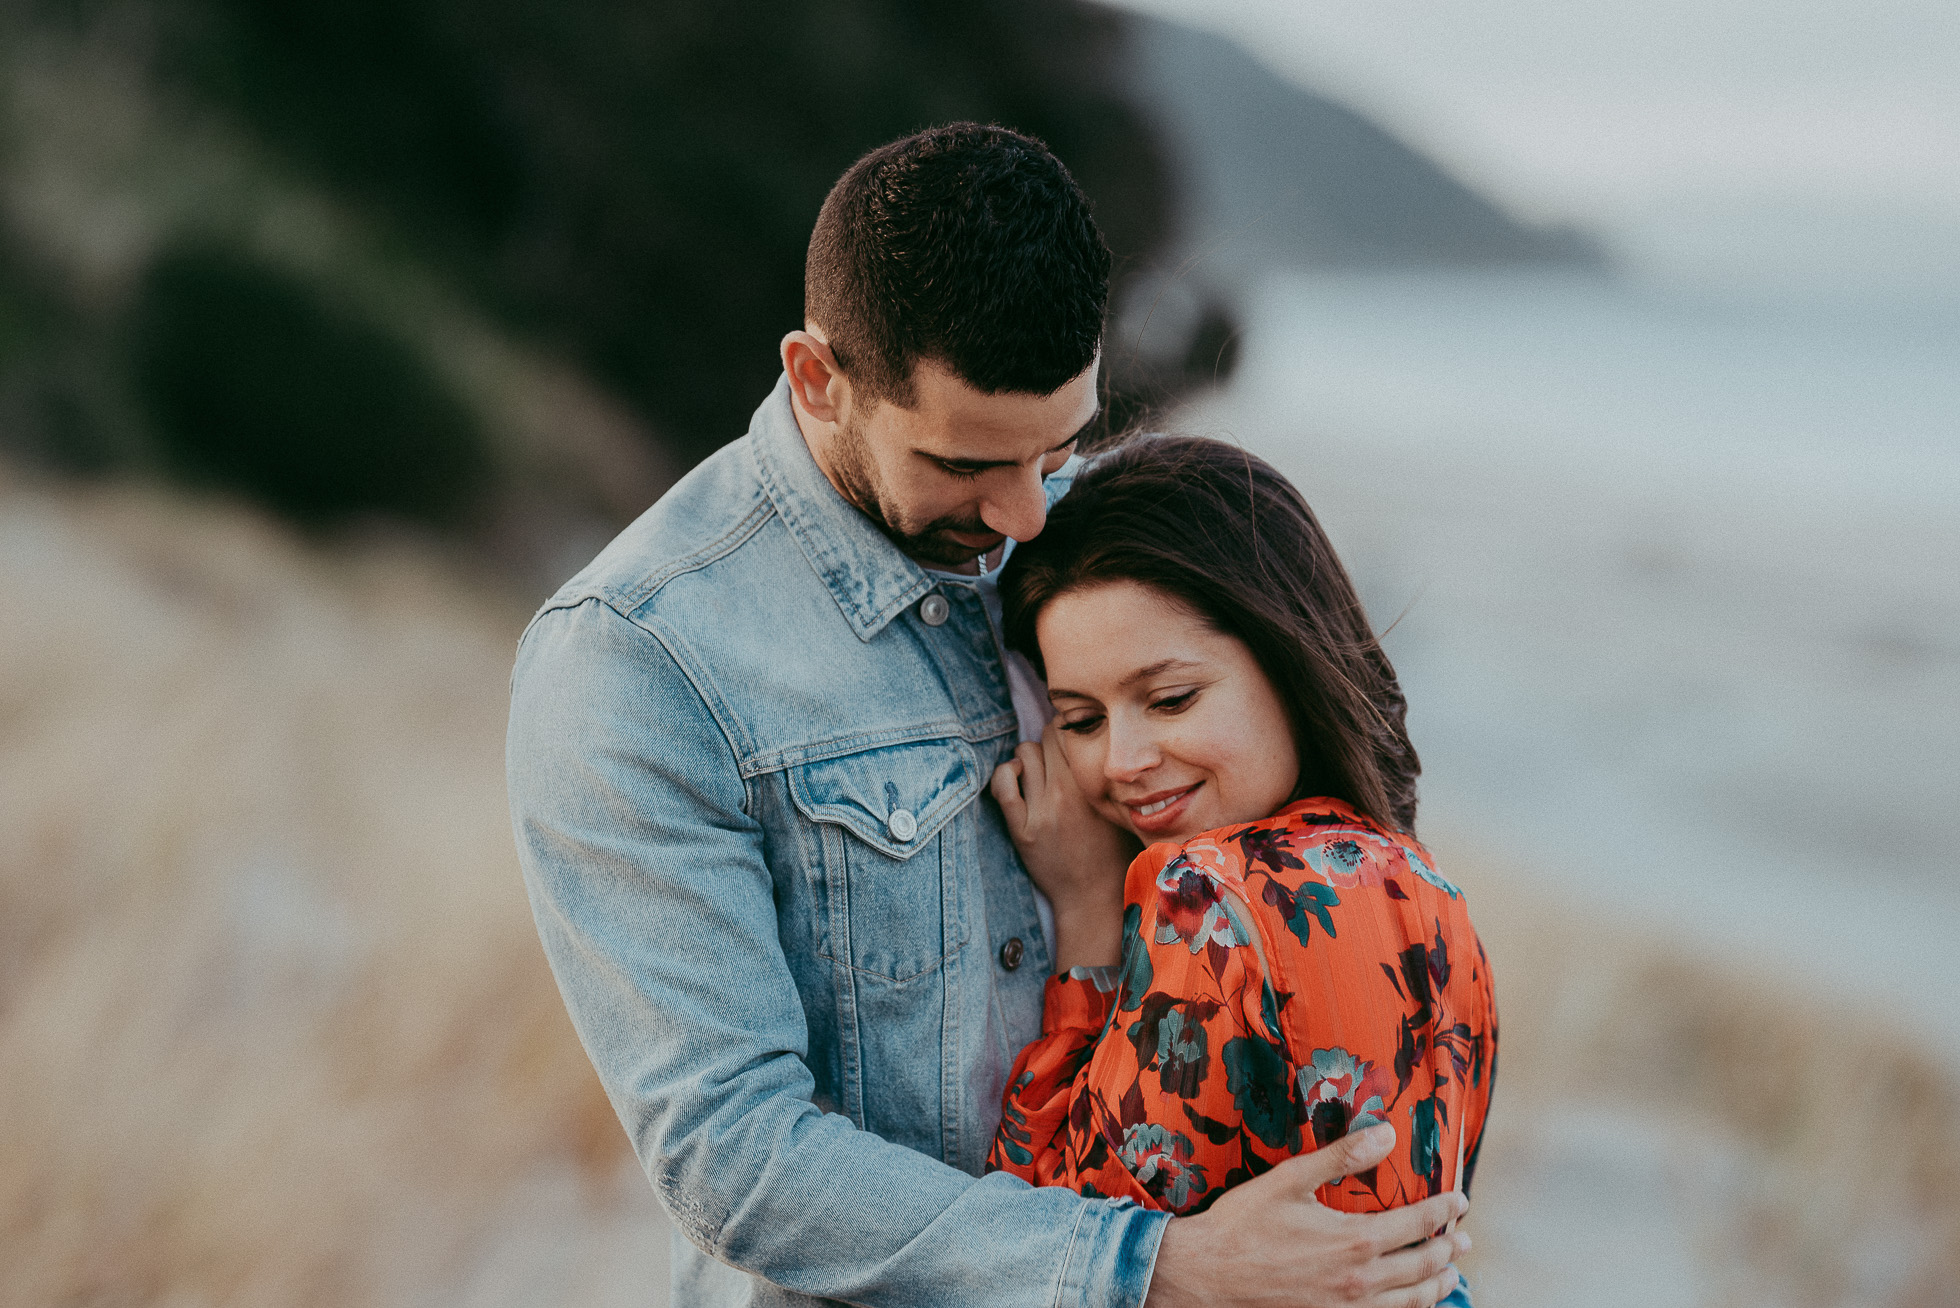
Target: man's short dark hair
968, 245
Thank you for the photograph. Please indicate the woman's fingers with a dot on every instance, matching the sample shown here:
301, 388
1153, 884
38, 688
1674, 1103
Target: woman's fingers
1006, 785
1034, 769
1053, 762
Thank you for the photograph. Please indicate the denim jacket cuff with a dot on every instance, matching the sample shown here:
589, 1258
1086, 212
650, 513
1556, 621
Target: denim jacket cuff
1112, 1256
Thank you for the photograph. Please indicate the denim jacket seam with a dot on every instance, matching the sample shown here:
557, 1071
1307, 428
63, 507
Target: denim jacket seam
632, 598
822, 751
842, 746
625, 600
705, 690
709, 696
1068, 1255
928, 970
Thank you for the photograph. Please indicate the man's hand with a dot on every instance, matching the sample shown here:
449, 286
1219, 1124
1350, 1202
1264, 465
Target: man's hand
1075, 856
1270, 1244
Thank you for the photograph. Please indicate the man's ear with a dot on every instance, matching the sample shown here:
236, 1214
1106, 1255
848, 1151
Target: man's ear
817, 385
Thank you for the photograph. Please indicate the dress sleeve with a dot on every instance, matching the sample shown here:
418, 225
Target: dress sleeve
1483, 1072
1034, 1111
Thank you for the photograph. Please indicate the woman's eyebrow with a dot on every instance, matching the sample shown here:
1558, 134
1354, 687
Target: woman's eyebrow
1161, 665
1141, 674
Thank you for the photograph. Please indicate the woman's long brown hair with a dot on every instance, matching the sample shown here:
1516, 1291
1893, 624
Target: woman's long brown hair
1220, 531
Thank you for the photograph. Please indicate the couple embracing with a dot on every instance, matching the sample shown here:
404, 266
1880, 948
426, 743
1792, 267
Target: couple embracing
982, 876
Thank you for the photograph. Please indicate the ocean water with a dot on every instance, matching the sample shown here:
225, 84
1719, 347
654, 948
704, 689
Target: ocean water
1675, 592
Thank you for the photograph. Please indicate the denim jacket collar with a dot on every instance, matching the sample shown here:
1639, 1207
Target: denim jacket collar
871, 580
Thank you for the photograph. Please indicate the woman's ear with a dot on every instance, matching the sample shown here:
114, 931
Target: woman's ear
816, 384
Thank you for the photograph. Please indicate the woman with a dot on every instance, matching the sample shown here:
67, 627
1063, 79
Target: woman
1282, 964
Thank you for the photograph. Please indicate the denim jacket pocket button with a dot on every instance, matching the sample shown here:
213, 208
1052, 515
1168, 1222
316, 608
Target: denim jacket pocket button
933, 610
1011, 953
902, 825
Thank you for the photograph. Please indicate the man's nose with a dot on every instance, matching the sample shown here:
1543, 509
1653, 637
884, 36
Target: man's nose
1019, 510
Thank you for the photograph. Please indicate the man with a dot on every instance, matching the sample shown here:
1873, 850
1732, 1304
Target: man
748, 751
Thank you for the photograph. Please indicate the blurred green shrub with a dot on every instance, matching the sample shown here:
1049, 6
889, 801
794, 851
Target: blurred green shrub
256, 382
58, 393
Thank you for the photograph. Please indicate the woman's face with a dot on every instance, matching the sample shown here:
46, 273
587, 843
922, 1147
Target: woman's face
1169, 727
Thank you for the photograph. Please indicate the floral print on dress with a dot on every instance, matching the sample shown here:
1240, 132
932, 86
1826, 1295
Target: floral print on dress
1341, 1093
1282, 983
1195, 904
1160, 1159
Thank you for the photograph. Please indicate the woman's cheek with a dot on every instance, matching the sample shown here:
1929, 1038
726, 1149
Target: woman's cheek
1085, 767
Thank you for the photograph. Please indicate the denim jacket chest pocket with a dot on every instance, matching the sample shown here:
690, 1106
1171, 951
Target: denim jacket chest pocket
889, 856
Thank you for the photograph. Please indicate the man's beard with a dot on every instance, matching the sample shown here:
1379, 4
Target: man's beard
930, 544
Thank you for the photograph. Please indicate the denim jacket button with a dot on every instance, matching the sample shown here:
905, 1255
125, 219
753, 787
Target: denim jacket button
1011, 953
933, 610
902, 825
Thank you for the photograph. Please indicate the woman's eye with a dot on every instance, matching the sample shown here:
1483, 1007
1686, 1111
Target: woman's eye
1172, 703
1081, 725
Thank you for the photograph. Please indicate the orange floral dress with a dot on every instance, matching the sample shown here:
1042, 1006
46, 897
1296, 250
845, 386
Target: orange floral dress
1283, 982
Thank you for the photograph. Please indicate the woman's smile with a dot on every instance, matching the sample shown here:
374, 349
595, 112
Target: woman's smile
1153, 807
1169, 726
1157, 816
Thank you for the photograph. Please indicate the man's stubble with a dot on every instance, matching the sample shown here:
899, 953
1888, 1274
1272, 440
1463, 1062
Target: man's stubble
857, 477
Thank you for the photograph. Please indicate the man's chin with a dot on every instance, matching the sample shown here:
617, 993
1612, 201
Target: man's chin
940, 549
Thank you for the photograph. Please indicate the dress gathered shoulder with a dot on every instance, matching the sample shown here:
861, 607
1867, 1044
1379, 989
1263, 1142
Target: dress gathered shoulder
1282, 983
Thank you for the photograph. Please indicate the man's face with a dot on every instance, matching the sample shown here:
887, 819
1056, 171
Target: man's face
960, 470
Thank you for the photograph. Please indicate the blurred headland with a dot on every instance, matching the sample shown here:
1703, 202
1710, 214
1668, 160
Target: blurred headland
1269, 174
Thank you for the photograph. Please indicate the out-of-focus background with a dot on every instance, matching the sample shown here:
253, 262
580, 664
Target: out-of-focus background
1617, 345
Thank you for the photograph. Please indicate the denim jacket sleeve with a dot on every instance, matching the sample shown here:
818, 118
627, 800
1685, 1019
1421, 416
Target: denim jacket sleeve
647, 874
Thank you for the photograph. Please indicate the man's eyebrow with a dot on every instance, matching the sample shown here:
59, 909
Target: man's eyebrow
1141, 674
981, 465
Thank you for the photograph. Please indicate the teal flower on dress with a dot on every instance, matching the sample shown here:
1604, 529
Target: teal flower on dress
1133, 980
1194, 908
1426, 1141
1430, 874
1342, 1093
1160, 1159
1255, 1074
1351, 856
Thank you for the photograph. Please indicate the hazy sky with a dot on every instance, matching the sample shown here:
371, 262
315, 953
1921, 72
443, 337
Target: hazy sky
1697, 133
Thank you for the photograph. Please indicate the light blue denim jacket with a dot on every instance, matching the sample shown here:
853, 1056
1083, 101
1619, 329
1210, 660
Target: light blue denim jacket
748, 779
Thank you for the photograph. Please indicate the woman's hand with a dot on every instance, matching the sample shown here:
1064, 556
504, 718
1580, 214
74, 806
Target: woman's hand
1076, 857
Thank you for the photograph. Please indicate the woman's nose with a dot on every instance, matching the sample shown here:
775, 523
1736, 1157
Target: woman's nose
1131, 754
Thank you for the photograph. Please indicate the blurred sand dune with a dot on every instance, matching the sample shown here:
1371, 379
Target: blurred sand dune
274, 1028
